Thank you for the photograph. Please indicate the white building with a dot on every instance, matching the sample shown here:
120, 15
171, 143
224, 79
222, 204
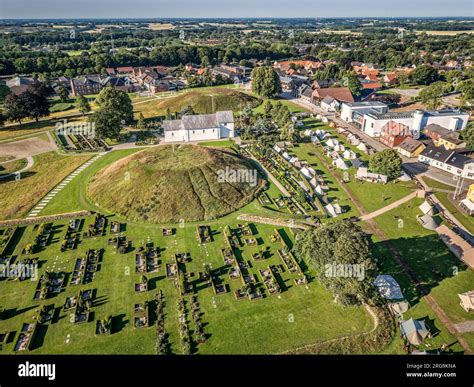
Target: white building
350, 111
200, 127
416, 120
448, 160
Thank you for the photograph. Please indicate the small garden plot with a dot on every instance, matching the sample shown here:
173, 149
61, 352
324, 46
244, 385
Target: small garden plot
142, 286
162, 344
104, 327
78, 273
43, 236
171, 270
80, 142
181, 280
270, 281
70, 303
122, 245
260, 255
264, 199
93, 258
217, 285
169, 231
197, 314
203, 234
6, 236
25, 273
49, 284
45, 314
140, 263
70, 241
230, 238
145, 138
140, 315
185, 335
83, 307
250, 240
228, 256
26, 336
98, 228
152, 259
115, 227
75, 225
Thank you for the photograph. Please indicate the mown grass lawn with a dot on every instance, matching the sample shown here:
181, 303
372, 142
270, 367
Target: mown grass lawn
436, 184
301, 314
444, 275
19, 196
466, 220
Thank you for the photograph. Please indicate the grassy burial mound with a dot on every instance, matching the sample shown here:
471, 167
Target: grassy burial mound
203, 101
167, 184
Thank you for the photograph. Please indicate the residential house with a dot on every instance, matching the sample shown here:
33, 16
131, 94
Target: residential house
19, 85
451, 141
305, 92
390, 79
410, 147
200, 127
342, 94
393, 133
88, 84
435, 132
330, 104
467, 204
322, 83
448, 160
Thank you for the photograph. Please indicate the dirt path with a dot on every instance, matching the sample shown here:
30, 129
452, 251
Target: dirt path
389, 207
29, 163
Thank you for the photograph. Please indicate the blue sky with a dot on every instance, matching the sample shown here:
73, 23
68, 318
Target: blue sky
231, 8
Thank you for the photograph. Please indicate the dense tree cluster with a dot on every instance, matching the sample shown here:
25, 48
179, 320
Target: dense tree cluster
333, 250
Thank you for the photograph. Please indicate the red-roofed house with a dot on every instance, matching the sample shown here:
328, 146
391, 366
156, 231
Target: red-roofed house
394, 133
342, 94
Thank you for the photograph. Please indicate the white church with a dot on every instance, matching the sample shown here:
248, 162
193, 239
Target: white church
200, 127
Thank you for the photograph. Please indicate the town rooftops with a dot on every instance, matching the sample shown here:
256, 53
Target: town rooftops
201, 121
390, 115
339, 93
438, 153
450, 157
435, 128
328, 100
409, 144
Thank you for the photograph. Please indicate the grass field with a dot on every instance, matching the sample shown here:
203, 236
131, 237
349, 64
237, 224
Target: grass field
440, 271
299, 316
435, 184
169, 184
444, 33
294, 108
12, 166
466, 220
202, 100
17, 197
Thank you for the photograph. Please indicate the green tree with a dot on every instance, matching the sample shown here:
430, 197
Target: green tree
432, 94
386, 162
14, 108
267, 108
63, 93
265, 82
424, 75
340, 253
466, 88
141, 121
116, 102
467, 135
107, 124
353, 83
82, 104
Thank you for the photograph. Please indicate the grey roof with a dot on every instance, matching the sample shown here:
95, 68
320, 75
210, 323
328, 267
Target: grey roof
435, 128
201, 121
428, 222
409, 144
328, 99
438, 153
450, 157
365, 104
390, 115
